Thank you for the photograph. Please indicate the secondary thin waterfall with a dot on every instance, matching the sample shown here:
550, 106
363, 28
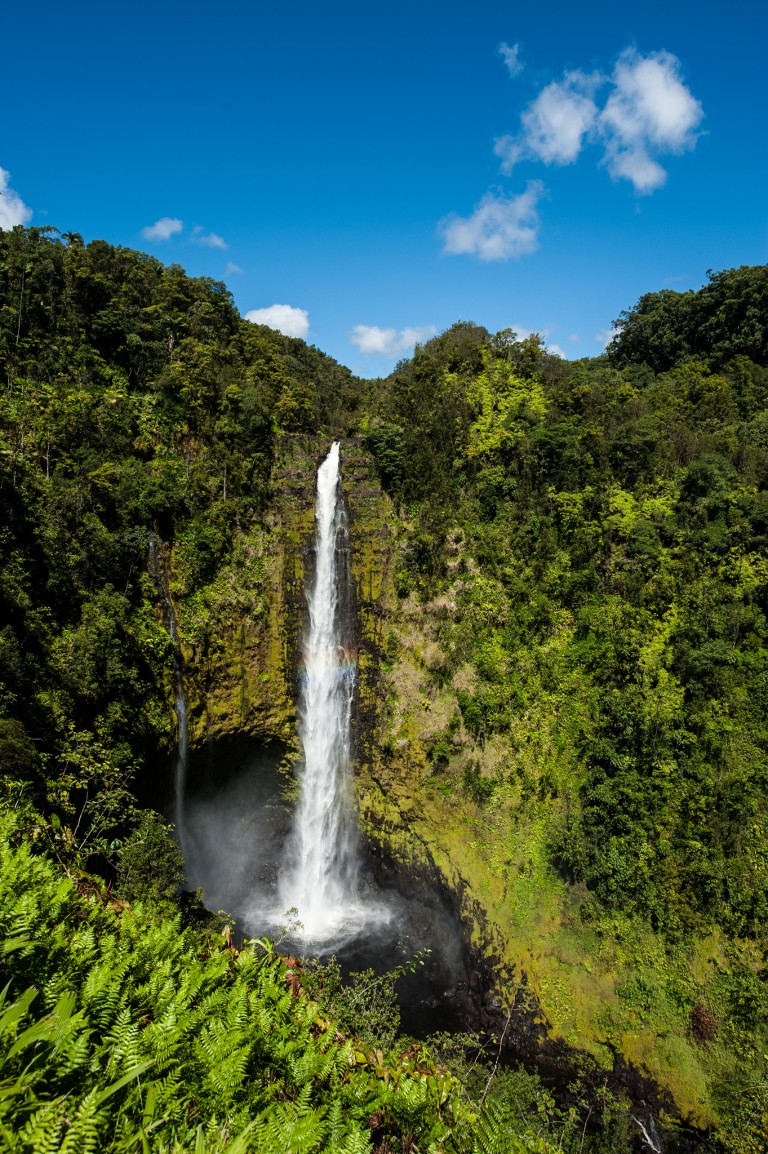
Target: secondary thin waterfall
321, 879
180, 699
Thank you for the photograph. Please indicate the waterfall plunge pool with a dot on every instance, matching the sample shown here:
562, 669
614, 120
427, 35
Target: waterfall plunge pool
237, 824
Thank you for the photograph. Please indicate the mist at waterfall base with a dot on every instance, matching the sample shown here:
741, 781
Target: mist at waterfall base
237, 826
241, 847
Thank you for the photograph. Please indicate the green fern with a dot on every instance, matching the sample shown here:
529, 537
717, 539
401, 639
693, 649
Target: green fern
140, 1038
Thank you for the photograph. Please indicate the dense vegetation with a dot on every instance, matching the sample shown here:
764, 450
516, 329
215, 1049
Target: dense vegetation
587, 545
136, 405
600, 530
633, 509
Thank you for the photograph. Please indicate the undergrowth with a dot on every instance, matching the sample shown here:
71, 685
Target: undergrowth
122, 1031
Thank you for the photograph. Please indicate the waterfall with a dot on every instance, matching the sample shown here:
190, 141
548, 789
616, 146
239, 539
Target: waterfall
321, 876
649, 1135
182, 752
179, 697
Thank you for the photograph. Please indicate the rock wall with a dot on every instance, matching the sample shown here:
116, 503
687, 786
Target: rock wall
243, 678
243, 681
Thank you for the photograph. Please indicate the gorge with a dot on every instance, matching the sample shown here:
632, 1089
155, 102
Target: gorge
558, 709
308, 870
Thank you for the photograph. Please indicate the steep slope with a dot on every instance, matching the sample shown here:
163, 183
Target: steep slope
561, 591
575, 738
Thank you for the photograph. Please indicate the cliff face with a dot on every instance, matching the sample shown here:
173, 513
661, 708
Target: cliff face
414, 760
241, 666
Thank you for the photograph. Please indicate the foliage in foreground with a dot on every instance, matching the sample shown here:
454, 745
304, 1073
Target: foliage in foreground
120, 1031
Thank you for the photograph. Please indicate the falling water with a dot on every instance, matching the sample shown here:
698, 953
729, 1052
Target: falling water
180, 700
182, 756
649, 1134
321, 879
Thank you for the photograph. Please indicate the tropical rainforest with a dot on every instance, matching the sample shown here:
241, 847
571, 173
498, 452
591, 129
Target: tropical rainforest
571, 719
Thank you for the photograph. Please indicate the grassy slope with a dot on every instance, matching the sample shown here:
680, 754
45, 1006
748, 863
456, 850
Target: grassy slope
605, 982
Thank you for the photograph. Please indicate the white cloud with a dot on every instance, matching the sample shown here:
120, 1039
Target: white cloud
634, 164
650, 102
604, 337
509, 149
13, 210
649, 110
374, 341
233, 268
510, 54
163, 229
290, 321
208, 239
500, 227
555, 124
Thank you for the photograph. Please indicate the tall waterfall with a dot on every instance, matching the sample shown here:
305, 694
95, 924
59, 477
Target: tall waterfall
321, 878
182, 744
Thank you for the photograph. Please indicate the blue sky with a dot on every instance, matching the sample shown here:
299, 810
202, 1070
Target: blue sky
383, 170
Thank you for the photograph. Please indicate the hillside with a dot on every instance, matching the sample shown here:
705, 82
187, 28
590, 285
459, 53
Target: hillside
576, 732
561, 574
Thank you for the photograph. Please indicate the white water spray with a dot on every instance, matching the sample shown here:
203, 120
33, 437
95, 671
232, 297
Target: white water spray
321, 880
649, 1135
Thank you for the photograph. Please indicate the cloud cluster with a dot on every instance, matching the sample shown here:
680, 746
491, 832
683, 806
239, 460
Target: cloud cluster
500, 226
373, 341
288, 320
169, 226
13, 210
642, 111
646, 112
163, 229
